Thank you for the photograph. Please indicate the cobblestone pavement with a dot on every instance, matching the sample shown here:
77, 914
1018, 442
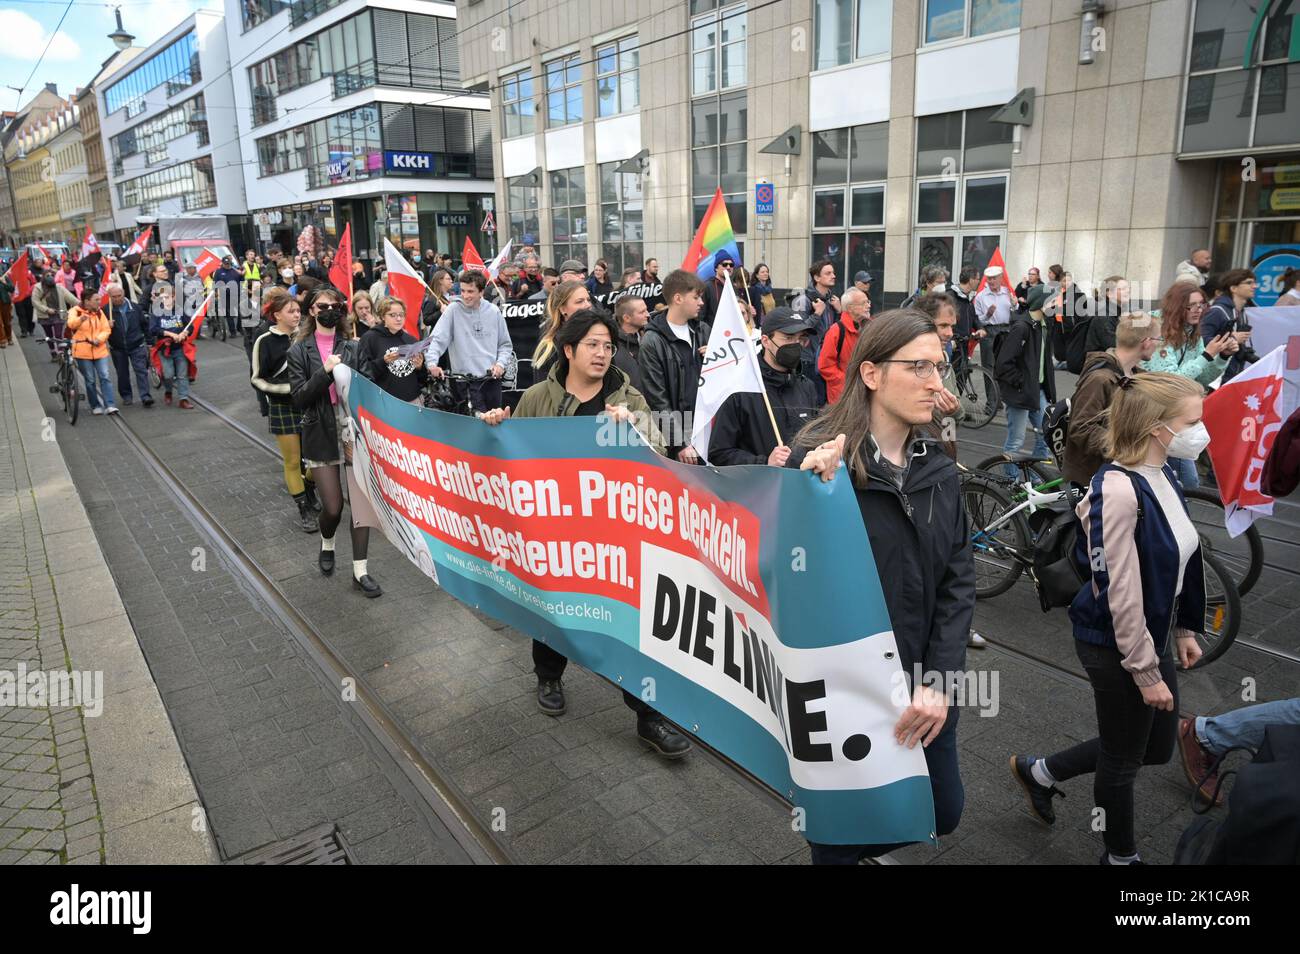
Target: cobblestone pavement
49, 812
572, 789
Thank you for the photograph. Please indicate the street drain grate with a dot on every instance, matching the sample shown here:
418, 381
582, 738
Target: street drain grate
322, 845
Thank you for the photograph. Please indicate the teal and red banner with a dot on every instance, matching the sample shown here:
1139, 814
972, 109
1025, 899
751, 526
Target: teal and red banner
742, 603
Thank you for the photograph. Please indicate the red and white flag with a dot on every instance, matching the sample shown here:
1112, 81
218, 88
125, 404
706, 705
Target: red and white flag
108, 277
136, 251
470, 258
207, 262
730, 367
89, 244
404, 282
1242, 417
503, 256
341, 270
21, 276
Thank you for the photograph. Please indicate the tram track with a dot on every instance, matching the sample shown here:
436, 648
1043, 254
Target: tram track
447, 808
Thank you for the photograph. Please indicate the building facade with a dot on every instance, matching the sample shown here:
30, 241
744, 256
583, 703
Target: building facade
156, 113
29, 169
879, 126
93, 142
354, 113
71, 177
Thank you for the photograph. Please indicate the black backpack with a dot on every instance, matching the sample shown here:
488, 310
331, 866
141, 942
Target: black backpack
1056, 419
1057, 572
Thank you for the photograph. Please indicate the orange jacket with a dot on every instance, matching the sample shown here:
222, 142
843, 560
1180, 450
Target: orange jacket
837, 348
89, 331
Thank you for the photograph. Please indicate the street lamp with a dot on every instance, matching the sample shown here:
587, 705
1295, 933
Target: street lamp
121, 39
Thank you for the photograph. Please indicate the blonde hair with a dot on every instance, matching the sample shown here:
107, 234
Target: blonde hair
360, 296
1141, 404
386, 304
1134, 328
560, 296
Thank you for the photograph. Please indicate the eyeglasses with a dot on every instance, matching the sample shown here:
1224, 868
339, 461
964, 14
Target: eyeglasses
921, 367
595, 346
1196, 306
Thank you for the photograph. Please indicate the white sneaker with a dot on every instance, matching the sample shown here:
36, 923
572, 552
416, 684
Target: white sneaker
96, 410
112, 409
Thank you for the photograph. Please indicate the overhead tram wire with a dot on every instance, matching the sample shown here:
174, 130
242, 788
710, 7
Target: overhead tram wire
41, 58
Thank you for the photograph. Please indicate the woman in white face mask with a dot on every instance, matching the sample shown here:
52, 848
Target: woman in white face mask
1138, 615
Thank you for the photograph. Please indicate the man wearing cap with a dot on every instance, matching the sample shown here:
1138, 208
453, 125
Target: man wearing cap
573, 270
723, 263
1026, 373
742, 430
994, 306
862, 282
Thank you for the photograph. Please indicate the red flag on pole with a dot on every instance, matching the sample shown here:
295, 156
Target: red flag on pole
341, 270
108, 277
470, 257
136, 251
1243, 416
405, 283
207, 262
89, 244
21, 276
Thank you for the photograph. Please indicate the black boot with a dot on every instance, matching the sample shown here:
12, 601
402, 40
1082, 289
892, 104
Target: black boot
550, 697
306, 518
655, 732
310, 494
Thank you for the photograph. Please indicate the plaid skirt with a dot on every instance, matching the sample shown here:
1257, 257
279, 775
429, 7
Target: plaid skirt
281, 416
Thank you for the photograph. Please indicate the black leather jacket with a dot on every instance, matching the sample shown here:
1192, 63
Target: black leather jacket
309, 388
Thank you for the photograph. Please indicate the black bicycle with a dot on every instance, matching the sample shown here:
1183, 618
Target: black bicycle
977, 389
441, 395
66, 381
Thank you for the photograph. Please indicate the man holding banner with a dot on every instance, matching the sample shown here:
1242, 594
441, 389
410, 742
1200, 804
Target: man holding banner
585, 382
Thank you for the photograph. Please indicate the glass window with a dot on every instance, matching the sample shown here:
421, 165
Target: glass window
954, 19
718, 51
1220, 32
850, 29
938, 144
1218, 110
1277, 124
986, 199
517, 105
828, 208
177, 65
868, 205
936, 202
621, 218
988, 144
848, 220
564, 91
618, 77
719, 132
522, 199
569, 214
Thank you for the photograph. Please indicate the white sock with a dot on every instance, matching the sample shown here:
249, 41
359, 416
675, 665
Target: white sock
1114, 859
358, 568
1039, 771
327, 544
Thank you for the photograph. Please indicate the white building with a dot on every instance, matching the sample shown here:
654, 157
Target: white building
353, 112
167, 121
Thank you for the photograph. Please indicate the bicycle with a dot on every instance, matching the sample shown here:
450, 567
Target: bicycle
1004, 546
1242, 556
66, 381
441, 396
976, 387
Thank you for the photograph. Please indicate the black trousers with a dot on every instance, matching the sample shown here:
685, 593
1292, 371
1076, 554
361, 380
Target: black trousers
485, 395
26, 316
1130, 734
548, 664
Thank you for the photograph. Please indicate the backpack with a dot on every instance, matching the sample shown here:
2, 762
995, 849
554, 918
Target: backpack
1057, 573
1056, 420
839, 344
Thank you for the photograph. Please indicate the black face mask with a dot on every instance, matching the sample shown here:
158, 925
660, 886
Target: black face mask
788, 355
329, 316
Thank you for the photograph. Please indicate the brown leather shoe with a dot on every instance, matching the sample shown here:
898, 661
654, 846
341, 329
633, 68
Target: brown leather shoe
1201, 767
185, 405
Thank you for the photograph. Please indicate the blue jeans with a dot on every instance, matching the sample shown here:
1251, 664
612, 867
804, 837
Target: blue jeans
1186, 471
1245, 726
945, 787
176, 371
92, 370
1017, 417
126, 362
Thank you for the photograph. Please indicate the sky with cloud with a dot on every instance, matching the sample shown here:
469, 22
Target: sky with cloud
80, 45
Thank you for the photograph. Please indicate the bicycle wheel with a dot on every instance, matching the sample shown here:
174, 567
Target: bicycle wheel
1222, 611
978, 393
71, 394
1242, 556
1036, 473
998, 550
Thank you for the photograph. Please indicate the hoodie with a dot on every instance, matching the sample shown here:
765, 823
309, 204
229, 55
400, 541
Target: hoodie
474, 338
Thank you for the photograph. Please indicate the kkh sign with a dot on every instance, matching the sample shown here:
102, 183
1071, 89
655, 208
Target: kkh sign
417, 163
717, 596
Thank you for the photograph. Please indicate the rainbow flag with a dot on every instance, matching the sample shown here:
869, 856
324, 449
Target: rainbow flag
714, 235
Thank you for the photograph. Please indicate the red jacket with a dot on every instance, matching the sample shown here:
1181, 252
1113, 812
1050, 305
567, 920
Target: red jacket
837, 348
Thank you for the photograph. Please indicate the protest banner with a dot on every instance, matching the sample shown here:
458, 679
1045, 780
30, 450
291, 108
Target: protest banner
717, 596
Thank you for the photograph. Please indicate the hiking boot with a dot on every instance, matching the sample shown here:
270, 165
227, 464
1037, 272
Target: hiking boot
550, 697
1039, 796
655, 732
1201, 767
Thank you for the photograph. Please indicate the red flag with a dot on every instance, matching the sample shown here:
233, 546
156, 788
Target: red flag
405, 283
341, 270
89, 244
137, 248
469, 257
49, 256
21, 276
996, 259
108, 277
1242, 417
207, 262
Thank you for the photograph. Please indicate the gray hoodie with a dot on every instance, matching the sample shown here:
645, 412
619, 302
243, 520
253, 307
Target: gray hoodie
476, 338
